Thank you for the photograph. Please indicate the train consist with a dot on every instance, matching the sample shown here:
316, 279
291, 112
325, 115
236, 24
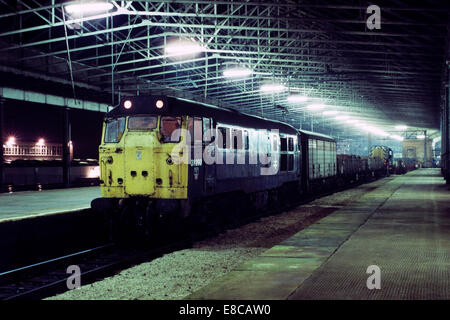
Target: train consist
169, 159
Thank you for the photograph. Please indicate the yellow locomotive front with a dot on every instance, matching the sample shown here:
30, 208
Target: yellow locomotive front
136, 157
138, 172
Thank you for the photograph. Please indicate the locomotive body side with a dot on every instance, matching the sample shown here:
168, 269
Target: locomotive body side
181, 159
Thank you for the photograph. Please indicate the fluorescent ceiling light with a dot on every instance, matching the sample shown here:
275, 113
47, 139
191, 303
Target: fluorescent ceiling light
342, 117
316, 106
11, 141
183, 47
297, 98
330, 112
420, 137
237, 72
401, 127
376, 131
396, 137
88, 8
272, 87
352, 121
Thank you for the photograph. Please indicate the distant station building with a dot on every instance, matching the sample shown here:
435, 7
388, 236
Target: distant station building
40, 150
420, 150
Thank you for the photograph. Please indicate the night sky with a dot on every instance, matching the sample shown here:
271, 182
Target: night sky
30, 121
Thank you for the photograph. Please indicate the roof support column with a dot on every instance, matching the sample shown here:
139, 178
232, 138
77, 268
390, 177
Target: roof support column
445, 134
425, 163
66, 148
445, 139
2, 103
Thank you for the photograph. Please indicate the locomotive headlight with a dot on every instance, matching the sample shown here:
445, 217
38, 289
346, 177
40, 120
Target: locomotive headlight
159, 104
127, 104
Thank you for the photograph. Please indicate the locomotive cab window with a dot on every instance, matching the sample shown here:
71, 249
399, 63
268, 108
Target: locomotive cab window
142, 123
170, 129
114, 129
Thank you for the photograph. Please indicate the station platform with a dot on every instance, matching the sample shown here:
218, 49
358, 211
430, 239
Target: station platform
403, 227
21, 205
40, 225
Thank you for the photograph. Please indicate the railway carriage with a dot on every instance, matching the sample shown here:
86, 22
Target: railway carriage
347, 168
318, 162
377, 166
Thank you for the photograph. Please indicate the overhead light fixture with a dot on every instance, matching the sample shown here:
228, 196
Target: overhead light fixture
420, 137
159, 104
352, 121
272, 87
88, 8
401, 127
41, 142
94, 172
183, 47
396, 137
11, 141
316, 106
330, 112
342, 117
376, 131
236, 72
296, 98
127, 104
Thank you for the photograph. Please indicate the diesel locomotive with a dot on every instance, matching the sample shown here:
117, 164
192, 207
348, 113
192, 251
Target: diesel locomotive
167, 159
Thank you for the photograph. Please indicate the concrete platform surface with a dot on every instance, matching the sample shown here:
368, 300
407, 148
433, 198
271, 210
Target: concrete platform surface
403, 227
20, 205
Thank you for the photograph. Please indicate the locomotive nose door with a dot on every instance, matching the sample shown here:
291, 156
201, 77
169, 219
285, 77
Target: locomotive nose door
139, 164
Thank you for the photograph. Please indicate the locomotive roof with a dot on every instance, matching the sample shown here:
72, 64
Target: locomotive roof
317, 135
380, 147
174, 106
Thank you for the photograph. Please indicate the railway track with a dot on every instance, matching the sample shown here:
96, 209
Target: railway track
47, 278
50, 277
33, 281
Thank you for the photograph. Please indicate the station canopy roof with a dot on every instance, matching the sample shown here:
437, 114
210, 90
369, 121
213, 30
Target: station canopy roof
316, 62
